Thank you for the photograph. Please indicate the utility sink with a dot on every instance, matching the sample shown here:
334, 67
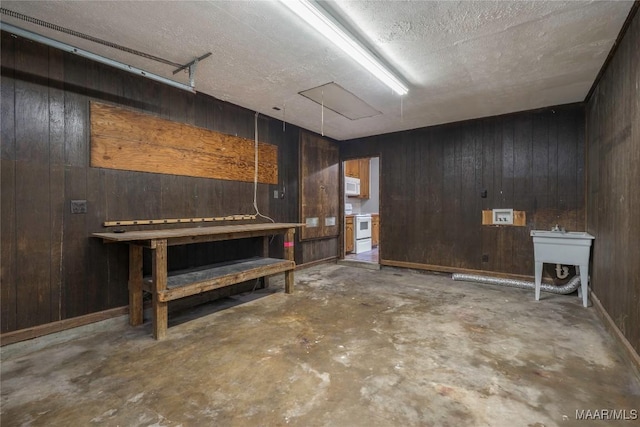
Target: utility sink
562, 234
562, 247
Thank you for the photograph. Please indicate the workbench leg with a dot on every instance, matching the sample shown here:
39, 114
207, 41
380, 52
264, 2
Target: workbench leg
265, 254
289, 254
159, 271
288, 281
135, 285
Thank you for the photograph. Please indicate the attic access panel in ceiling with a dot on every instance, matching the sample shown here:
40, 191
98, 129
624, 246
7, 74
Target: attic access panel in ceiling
339, 100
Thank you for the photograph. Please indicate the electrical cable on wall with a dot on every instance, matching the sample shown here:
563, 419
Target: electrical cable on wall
255, 174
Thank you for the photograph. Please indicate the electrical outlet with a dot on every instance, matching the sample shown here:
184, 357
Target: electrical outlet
275, 194
483, 194
485, 258
78, 206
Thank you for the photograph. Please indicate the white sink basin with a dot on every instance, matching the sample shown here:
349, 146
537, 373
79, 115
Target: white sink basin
562, 234
561, 247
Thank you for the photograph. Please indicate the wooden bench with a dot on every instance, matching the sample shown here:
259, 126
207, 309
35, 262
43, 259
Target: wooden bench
166, 287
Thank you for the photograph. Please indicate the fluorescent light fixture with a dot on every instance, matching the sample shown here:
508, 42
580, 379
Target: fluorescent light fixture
320, 20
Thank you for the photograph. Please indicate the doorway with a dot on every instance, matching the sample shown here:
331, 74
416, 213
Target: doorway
362, 210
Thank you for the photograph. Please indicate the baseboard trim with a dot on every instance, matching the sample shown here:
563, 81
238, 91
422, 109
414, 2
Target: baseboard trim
446, 269
59, 326
627, 349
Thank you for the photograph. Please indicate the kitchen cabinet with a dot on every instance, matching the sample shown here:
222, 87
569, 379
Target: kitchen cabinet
348, 234
375, 229
363, 168
359, 168
352, 168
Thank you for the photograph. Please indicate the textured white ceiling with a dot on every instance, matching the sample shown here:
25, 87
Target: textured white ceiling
462, 60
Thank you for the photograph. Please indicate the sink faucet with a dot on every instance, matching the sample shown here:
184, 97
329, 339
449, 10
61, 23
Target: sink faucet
558, 228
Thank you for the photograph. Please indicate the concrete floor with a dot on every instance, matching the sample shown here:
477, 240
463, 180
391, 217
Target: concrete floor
351, 347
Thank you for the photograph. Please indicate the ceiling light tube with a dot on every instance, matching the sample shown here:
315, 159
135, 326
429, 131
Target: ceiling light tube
320, 21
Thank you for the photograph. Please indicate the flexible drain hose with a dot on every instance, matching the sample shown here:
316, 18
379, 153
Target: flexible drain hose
567, 288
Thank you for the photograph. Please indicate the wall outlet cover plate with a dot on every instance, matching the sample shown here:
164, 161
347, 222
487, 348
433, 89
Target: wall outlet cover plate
78, 206
503, 216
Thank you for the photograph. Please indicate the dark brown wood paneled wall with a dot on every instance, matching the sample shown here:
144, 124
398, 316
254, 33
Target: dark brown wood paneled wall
319, 186
50, 269
319, 196
613, 186
432, 180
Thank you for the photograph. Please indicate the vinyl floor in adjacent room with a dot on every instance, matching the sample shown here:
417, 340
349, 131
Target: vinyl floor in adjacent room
351, 347
371, 256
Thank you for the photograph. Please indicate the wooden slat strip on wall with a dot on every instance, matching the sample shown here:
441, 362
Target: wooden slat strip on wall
128, 140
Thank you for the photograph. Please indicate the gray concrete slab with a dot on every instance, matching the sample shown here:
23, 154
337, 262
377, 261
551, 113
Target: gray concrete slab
351, 347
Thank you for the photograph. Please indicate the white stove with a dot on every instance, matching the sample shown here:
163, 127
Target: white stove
362, 232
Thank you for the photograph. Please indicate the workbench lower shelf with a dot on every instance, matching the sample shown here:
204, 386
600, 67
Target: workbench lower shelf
181, 284
185, 283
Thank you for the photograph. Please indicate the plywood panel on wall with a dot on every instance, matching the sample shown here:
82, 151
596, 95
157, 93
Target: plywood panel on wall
128, 140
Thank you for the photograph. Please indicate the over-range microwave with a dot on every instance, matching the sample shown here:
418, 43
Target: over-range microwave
351, 186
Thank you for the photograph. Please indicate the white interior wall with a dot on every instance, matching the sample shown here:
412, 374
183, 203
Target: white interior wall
372, 204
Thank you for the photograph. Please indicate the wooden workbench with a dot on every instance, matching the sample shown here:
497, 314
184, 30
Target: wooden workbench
165, 288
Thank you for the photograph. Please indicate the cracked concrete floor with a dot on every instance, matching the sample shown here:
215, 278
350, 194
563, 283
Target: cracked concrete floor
351, 347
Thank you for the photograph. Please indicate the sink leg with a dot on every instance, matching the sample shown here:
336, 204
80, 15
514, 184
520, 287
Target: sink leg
538, 279
580, 288
584, 284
